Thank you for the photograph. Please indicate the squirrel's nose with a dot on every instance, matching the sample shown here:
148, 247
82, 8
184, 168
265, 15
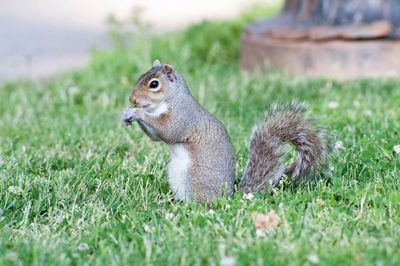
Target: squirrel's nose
133, 100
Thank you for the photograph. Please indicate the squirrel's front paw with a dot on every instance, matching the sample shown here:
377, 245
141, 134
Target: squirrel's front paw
130, 115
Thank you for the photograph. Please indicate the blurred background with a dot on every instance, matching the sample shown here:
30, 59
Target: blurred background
44, 37
340, 39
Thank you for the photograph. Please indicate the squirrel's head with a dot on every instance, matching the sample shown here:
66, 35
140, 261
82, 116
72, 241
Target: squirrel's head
156, 86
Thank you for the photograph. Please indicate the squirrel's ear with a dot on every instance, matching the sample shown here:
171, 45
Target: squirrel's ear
169, 71
156, 63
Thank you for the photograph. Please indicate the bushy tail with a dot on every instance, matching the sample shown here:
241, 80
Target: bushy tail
283, 124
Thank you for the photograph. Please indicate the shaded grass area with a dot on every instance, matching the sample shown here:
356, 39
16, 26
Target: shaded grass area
77, 187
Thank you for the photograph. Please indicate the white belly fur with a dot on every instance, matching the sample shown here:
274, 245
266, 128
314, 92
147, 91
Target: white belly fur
178, 170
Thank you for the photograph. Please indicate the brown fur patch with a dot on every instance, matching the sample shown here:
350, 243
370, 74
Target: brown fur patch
146, 77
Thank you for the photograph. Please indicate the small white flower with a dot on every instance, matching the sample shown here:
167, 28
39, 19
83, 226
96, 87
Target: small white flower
169, 216
73, 90
313, 258
356, 103
248, 196
396, 149
339, 145
147, 228
227, 261
15, 190
227, 206
83, 246
211, 212
320, 201
333, 104
260, 233
288, 246
350, 128
12, 256
368, 112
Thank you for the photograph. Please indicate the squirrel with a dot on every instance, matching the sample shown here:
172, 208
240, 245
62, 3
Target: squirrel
202, 165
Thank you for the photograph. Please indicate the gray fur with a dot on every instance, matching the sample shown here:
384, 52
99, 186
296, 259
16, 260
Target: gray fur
212, 163
212, 169
206, 139
282, 124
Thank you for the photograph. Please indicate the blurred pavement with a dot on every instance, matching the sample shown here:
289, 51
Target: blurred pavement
43, 37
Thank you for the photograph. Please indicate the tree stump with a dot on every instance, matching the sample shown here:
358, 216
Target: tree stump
341, 39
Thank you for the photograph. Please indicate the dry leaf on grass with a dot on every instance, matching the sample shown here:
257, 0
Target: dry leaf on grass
265, 222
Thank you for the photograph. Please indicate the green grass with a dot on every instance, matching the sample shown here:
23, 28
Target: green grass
71, 174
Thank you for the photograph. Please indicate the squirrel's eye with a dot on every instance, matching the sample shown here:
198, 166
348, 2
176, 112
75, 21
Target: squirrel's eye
154, 84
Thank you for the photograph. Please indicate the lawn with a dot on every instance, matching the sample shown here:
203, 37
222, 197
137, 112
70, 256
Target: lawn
78, 188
